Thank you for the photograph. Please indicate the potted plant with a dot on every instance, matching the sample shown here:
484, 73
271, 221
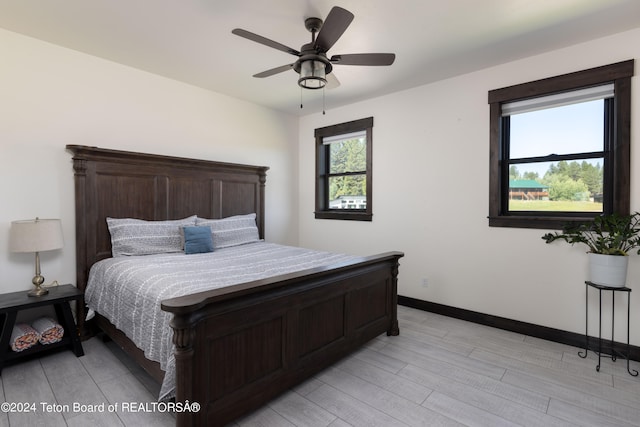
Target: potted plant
609, 238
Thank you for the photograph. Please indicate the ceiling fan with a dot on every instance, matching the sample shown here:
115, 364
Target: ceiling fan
313, 65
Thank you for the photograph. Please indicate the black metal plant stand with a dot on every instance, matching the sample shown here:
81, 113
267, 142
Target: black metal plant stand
613, 356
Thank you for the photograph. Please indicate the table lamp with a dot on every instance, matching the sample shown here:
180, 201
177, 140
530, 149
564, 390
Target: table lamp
37, 236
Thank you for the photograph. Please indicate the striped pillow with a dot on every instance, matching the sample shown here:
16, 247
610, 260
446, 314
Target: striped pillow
131, 236
232, 231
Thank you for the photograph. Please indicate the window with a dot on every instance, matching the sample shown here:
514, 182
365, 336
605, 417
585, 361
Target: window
343, 171
559, 148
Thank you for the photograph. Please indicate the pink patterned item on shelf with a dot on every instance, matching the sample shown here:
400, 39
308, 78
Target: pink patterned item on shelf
49, 330
23, 337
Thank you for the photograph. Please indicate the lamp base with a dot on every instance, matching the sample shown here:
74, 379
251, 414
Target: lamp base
37, 281
38, 292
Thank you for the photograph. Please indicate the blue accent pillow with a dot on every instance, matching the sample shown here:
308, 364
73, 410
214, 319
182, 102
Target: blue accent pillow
197, 240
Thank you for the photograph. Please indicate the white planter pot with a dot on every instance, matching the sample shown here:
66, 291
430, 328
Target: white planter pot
608, 270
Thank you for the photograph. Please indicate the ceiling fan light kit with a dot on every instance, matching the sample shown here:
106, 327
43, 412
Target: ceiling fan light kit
312, 75
312, 65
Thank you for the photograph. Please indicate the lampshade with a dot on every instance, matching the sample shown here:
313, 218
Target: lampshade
312, 75
35, 235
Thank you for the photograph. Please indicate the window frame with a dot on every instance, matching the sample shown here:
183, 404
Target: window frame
618, 189
322, 210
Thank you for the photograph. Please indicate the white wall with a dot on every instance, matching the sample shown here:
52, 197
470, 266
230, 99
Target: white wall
431, 153
51, 96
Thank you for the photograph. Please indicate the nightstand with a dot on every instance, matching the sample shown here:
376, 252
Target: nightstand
59, 297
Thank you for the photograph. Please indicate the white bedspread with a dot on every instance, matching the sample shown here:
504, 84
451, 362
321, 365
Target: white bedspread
128, 290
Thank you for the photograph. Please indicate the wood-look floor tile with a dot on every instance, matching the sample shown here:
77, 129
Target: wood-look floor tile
307, 386
456, 325
470, 384
437, 366
461, 347
501, 400
340, 423
453, 360
627, 384
582, 398
377, 397
423, 325
580, 384
300, 411
464, 413
265, 417
350, 409
126, 389
583, 417
379, 360
396, 384
607, 366
508, 347
95, 419
101, 363
77, 389
27, 383
551, 367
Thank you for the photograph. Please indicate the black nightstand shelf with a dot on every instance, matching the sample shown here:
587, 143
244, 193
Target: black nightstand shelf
59, 297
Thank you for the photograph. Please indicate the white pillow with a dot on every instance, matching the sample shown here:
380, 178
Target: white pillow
131, 236
232, 231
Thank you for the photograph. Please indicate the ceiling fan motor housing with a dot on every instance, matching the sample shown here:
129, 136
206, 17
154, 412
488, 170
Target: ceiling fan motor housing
308, 53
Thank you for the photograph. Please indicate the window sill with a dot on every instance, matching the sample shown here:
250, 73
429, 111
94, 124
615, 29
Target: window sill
344, 215
552, 223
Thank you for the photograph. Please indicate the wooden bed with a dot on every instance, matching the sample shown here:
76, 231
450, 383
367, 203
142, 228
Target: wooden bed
237, 347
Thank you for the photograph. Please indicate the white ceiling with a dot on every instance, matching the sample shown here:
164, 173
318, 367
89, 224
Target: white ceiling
191, 40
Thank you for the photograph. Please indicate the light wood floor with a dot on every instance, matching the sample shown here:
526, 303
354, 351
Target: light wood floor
439, 371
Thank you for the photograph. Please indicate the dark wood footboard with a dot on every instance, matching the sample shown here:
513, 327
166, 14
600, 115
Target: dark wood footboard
239, 347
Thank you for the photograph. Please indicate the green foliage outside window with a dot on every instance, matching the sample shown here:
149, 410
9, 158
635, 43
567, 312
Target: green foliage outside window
348, 157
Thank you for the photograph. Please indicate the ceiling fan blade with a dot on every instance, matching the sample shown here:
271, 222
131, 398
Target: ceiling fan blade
334, 26
332, 81
273, 71
364, 59
265, 41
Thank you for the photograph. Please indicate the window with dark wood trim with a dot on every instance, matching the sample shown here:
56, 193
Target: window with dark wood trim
354, 140
615, 153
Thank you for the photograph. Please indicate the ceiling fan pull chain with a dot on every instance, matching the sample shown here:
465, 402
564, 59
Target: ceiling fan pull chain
301, 97
323, 103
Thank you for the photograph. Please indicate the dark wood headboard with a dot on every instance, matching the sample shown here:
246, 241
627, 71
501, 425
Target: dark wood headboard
122, 184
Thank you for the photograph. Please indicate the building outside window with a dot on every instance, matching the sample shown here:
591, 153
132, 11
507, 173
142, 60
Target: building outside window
348, 202
343, 171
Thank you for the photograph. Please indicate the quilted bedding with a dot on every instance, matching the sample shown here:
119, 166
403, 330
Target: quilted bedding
128, 290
